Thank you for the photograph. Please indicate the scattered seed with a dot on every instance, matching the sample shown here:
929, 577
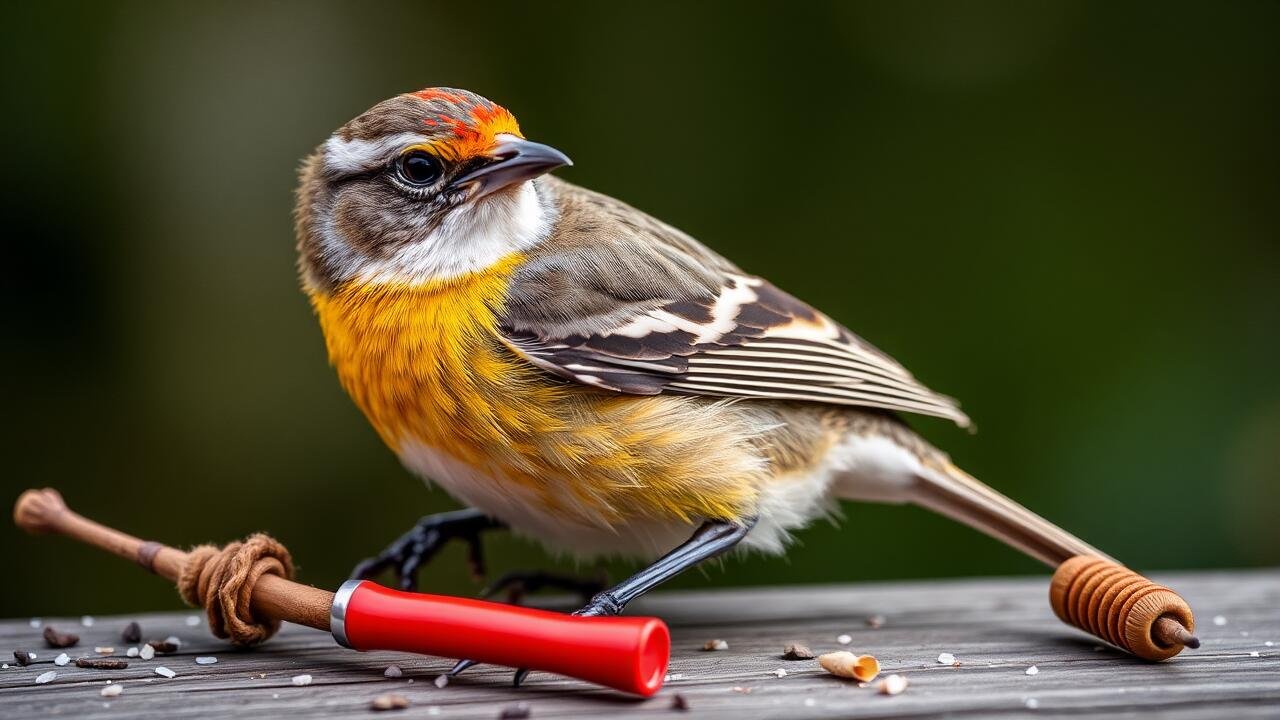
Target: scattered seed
846, 664
679, 702
392, 671
1269, 643
131, 652
1033, 670
55, 639
515, 712
45, 677
875, 621
165, 672
147, 652
433, 710
390, 701
810, 702
23, 657
102, 663
132, 633
193, 620
86, 620
893, 685
1031, 703
4, 666
104, 650
206, 660
35, 623
111, 690
300, 680
780, 672
743, 690
168, 645
1219, 620
1255, 653
946, 659
62, 659
409, 681
715, 645
844, 639
442, 680
796, 651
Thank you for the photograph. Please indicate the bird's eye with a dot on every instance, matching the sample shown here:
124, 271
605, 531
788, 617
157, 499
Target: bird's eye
418, 167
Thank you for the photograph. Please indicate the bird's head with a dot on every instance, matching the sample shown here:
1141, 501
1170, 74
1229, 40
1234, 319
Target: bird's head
423, 187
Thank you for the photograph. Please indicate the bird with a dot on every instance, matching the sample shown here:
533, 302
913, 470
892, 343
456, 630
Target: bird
584, 374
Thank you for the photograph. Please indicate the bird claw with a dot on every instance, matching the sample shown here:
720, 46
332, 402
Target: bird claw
518, 583
409, 552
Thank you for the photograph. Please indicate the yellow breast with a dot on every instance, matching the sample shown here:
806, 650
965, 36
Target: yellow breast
426, 365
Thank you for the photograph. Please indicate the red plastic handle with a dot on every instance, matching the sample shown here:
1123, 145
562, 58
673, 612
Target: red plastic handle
627, 653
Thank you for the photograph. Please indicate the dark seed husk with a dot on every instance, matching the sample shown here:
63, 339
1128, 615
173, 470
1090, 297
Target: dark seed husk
515, 712
679, 702
796, 651
102, 663
23, 657
55, 639
162, 646
132, 633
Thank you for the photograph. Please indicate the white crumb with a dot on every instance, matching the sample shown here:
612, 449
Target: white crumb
1269, 643
409, 682
780, 672
716, 645
45, 677
1219, 620
810, 702
893, 685
1031, 703
392, 671
442, 680
173, 640
62, 659
32, 656
300, 680
147, 652
275, 696
131, 652
165, 672
4, 666
111, 690
844, 639
104, 650
193, 620
1255, 653
1033, 670
946, 659
206, 660
86, 620
36, 623
433, 710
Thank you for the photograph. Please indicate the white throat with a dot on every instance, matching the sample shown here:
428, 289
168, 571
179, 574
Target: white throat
472, 237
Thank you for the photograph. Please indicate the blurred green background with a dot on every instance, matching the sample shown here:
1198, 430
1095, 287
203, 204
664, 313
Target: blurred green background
1065, 214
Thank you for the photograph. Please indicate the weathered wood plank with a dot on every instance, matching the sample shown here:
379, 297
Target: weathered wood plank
995, 628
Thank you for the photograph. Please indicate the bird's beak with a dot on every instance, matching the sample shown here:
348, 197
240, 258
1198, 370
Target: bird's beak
512, 160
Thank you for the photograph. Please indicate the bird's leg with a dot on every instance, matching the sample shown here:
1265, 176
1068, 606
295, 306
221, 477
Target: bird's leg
518, 583
413, 549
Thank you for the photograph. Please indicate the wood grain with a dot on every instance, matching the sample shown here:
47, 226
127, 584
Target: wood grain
995, 628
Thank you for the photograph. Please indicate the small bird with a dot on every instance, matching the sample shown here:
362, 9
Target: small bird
581, 373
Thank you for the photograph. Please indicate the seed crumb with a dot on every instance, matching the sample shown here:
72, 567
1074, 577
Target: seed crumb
847, 665
86, 620
392, 671
844, 639
1219, 620
679, 702
780, 673
810, 702
206, 660
875, 621
46, 677
433, 710
105, 663
165, 672
515, 712
147, 652
62, 659
300, 680
796, 651
1033, 670
409, 681
111, 690
390, 701
132, 633
715, 645
35, 623
442, 680
104, 650
1255, 653
743, 690
1269, 643
893, 685
55, 639
1031, 703
131, 652
193, 620
946, 658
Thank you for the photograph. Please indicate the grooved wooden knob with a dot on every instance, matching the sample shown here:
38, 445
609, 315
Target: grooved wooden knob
1114, 603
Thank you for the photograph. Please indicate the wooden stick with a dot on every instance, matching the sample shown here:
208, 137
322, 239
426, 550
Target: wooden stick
45, 512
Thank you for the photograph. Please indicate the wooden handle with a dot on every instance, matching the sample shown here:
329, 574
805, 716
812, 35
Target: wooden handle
273, 597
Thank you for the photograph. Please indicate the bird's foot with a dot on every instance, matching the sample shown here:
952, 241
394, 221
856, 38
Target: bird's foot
412, 550
602, 604
519, 583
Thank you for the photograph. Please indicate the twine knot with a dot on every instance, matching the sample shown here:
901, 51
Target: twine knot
221, 581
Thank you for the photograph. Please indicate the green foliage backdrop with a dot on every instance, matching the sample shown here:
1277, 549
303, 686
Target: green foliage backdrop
1065, 214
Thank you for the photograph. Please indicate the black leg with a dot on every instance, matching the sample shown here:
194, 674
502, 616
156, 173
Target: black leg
413, 549
518, 583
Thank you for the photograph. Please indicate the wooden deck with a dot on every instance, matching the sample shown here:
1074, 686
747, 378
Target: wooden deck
996, 629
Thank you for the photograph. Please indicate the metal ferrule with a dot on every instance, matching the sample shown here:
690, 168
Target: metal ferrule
338, 613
